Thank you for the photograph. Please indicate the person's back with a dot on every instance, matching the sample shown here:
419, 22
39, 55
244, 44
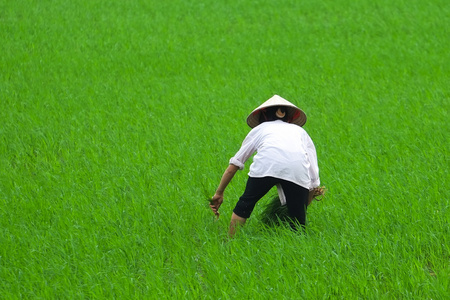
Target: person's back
281, 152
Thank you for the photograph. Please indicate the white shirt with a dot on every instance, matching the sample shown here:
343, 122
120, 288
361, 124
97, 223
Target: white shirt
284, 151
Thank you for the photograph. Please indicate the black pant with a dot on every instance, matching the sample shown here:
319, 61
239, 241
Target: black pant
256, 188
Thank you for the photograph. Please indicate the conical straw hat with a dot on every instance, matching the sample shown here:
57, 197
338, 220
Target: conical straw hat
295, 114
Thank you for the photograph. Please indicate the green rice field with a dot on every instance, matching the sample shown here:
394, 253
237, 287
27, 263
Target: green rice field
118, 118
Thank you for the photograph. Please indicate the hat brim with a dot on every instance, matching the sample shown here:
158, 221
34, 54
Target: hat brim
294, 114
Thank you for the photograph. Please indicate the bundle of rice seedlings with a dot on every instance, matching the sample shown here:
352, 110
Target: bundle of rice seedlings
319, 194
274, 213
212, 203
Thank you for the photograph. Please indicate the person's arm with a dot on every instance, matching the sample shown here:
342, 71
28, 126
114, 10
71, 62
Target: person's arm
217, 199
315, 189
310, 196
237, 162
313, 165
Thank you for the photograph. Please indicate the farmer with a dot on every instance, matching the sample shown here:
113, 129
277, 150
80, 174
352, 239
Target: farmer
286, 158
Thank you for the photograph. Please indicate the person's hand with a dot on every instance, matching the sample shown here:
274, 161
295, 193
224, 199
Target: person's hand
215, 203
316, 194
319, 191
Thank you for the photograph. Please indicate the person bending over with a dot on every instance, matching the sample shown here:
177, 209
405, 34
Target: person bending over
285, 158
